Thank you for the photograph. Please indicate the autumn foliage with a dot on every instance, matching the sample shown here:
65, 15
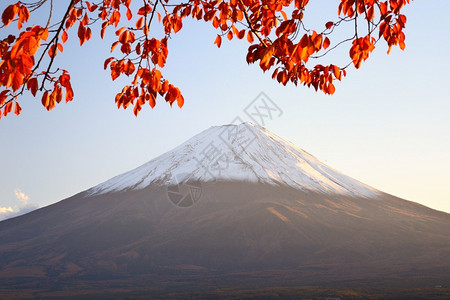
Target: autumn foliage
278, 37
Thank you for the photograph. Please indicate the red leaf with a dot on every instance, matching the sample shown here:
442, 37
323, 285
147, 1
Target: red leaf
17, 109
45, 100
88, 34
140, 22
326, 43
8, 14
64, 79
107, 61
17, 80
64, 36
103, 30
3, 96
52, 51
144, 10
180, 101
137, 108
218, 41
230, 35
114, 45
250, 37
241, 34
85, 19
331, 88
152, 100
7, 109
81, 33
370, 13
129, 14
32, 85
43, 33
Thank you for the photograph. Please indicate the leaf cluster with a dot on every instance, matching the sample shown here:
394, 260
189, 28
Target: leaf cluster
279, 41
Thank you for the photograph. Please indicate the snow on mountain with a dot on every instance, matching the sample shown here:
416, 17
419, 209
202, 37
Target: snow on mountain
245, 152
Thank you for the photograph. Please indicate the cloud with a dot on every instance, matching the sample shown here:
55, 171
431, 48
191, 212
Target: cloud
21, 196
24, 207
6, 213
4, 210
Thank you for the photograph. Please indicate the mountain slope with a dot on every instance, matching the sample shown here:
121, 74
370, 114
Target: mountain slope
274, 217
235, 235
244, 152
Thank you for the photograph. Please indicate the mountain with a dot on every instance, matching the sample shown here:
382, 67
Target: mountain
244, 152
235, 210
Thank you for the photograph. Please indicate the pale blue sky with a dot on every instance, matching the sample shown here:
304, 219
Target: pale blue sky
387, 125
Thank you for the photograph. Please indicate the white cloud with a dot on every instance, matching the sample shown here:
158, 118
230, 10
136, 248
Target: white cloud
6, 213
4, 210
24, 207
21, 196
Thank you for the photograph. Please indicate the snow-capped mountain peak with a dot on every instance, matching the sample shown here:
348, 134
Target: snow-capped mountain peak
244, 152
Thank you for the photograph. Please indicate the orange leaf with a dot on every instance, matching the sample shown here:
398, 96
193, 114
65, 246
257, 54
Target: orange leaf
7, 109
177, 25
58, 94
152, 100
64, 37
230, 35
164, 88
180, 101
85, 19
129, 14
103, 30
241, 34
318, 42
64, 79
326, 43
3, 96
331, 88
304, 42
336, 72
383, 8
88, 34
371, 13
136, 109
45, 100
8, 14
144, 10
216, 22
114, 45
107, 61
81, 33
32, 85
44, 34
24, 15
17, 80
17, 109
52, 51
89, 6
115, 18
250, 37
218, 41
140, 22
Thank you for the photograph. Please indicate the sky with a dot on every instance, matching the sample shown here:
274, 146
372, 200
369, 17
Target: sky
387, 124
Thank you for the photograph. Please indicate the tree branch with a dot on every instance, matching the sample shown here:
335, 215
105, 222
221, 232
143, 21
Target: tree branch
55, 42
247, 18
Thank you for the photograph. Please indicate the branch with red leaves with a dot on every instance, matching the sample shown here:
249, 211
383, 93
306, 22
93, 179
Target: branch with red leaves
282, 43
